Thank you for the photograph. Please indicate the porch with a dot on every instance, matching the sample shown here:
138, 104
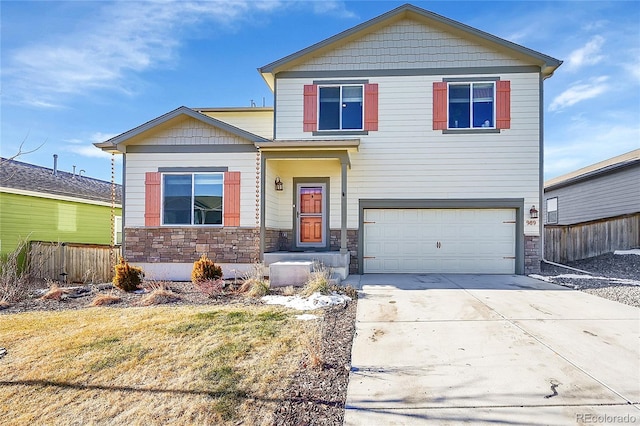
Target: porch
303, 208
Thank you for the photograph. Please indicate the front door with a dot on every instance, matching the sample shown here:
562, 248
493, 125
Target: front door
310, 215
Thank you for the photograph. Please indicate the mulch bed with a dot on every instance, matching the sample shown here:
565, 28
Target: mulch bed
315, 395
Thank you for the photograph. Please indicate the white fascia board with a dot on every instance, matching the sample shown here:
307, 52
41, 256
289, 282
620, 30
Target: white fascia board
56, 197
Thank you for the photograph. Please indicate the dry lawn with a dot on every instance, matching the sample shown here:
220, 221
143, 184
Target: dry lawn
148, 366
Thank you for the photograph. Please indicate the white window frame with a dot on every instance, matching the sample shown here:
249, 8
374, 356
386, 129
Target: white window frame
547, 211
341, 86
192, 174
117, 230
471, 84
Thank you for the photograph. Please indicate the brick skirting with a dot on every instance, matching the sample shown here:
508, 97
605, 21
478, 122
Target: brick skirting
531, 254
183, 245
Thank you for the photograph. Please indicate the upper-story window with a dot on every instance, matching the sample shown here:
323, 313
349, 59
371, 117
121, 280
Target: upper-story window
341, 107
192, 199
471, 105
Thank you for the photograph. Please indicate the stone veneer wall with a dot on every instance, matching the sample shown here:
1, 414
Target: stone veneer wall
278, 240
184, 245
531, 254
352, 246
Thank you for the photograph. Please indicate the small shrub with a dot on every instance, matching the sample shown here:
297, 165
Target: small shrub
314, 352
159, 297
204, 270
258, 289
105, 299
318, 281
211, 288
55, 292
289, 291
127, 277
254, 283
156, 285
347, 291
14, 280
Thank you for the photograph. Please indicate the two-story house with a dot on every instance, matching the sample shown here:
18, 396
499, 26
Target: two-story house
410, 143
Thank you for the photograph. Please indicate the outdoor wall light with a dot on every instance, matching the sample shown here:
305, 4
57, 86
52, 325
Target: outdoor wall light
279, 185
533, 212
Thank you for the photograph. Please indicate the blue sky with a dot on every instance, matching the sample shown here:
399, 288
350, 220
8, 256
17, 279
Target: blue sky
79, 72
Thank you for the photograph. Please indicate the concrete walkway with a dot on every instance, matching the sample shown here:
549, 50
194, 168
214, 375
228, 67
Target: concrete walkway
479, 349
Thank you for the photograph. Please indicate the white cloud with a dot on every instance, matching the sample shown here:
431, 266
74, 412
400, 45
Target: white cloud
121, 38
87, 151
579, 92
589, 54
579, 145
86, 148
335, 8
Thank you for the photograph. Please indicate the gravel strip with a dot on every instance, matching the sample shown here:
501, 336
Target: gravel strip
615, 277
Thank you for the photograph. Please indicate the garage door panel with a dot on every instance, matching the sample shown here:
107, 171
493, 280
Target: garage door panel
439, 240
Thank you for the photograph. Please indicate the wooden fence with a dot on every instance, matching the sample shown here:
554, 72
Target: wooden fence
82, 263
566, 243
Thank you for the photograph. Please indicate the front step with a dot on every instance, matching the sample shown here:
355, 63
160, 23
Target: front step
336, 261
285, 273
295, 273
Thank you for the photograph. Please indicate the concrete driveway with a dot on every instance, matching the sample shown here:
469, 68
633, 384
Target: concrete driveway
487, 349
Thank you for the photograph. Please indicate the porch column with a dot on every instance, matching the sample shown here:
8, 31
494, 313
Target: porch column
263, 233
343, 209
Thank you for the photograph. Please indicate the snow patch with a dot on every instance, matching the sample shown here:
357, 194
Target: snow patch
550, 279
633, 251
541, 278
306, 317
315, 301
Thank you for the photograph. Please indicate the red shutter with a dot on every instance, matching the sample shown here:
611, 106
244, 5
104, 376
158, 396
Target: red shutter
152, 199
503, 104
371, 107
440, 105
231, 199
310, 108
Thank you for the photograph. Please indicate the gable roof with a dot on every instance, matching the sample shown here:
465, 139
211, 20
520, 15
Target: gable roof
31, 178
547, 64
629, 159
111, 145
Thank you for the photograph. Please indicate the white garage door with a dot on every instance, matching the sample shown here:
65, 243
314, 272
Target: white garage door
439, 241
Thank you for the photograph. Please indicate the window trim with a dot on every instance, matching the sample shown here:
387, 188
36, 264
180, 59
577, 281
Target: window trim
322, 85
192, 174
547, 211
471, 83
117, 229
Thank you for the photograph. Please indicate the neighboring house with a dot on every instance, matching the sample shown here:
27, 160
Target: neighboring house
593, 210
409, 143
42, 204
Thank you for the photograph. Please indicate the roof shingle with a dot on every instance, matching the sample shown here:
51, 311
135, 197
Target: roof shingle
28, 177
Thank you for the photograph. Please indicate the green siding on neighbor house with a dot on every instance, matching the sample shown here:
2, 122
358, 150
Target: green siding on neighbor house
44, 219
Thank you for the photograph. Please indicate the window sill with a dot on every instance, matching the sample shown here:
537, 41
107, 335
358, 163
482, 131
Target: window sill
340, 132
469, 131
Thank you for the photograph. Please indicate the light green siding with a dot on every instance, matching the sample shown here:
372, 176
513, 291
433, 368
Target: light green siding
43, 219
